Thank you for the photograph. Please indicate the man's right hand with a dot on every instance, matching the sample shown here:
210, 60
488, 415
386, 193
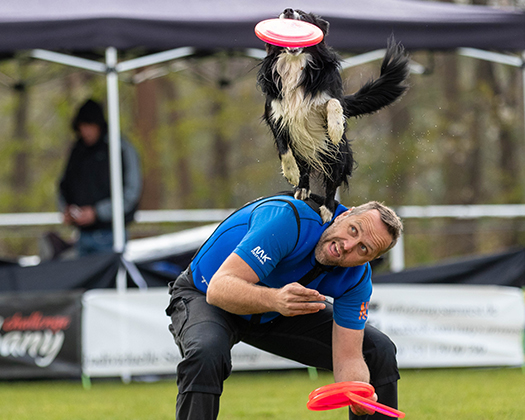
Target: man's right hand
234, 288
295, 299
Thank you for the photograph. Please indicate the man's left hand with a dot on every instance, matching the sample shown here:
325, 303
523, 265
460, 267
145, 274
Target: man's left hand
359, 410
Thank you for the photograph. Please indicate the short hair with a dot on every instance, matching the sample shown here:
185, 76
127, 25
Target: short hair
393, 223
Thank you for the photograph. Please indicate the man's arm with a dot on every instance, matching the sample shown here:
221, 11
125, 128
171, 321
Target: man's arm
233, 288
349, 363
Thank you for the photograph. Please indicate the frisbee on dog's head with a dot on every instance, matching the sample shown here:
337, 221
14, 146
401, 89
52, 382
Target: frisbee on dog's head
342, 394
288, 33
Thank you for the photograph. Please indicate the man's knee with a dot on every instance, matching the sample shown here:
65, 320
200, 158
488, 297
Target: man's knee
206, 360
380, 355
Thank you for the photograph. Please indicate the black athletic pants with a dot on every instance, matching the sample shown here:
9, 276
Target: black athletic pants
205, 335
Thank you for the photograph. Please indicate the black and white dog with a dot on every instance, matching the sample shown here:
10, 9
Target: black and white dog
306, 108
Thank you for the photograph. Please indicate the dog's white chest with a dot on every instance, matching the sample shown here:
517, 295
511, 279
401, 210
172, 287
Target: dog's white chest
289, 69
304, 116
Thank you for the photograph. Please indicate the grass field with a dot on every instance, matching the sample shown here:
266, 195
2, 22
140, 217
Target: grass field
466, 394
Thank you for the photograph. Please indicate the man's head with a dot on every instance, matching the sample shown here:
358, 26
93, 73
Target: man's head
90, 123
359, 235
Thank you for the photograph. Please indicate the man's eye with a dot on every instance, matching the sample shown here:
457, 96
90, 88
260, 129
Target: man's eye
364, 248
353, 230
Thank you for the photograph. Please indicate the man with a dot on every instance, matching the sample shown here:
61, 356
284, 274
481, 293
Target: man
263, 277
85, 189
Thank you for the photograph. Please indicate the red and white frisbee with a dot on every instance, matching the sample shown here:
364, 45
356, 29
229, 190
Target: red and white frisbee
288, 33
342, 394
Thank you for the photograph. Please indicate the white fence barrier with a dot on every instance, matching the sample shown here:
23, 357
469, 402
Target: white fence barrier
396, 255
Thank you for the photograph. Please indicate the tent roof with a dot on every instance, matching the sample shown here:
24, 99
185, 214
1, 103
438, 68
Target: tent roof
166, 24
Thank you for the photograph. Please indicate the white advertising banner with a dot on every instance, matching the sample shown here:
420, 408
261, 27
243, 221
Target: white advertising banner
126, 334
451, 325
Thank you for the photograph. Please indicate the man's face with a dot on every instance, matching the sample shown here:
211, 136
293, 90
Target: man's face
89, 132
353, 240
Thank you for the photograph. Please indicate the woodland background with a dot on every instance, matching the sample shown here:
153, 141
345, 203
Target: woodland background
456, 137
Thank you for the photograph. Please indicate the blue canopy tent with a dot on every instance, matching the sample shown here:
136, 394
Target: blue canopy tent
62, 30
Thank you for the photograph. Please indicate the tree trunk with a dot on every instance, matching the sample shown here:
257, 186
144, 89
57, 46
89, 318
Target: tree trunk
182, 167
20, 175
221, 183
221, 188
146, 125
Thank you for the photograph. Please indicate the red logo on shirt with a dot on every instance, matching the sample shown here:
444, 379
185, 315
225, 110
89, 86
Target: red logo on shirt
363, 313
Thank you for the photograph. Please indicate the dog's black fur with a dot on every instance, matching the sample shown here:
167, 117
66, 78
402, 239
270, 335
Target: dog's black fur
306, 108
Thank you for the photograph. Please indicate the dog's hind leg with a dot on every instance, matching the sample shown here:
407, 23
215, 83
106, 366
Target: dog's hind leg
328, 207
302, 191
335, 120
338, 171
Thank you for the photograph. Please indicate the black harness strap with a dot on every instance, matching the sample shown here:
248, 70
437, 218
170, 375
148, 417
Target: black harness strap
367, 268
314, 202
309, 277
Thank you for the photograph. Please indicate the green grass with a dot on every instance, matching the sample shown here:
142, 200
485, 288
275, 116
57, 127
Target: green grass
466, 394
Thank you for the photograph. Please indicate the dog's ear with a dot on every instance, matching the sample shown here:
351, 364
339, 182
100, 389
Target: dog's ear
316, 20
323, 24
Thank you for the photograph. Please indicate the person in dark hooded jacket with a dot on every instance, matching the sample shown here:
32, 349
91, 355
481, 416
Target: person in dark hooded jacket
85, 190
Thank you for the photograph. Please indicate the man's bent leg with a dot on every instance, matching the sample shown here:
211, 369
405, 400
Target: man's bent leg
308, 339
204, 337
197, 405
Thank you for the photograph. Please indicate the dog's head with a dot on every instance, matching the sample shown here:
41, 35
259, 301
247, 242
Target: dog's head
299, 15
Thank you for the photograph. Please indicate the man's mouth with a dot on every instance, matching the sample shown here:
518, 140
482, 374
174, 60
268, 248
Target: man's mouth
334, 250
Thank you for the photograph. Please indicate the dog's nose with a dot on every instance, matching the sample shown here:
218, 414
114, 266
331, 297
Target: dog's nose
294, 51
288, 14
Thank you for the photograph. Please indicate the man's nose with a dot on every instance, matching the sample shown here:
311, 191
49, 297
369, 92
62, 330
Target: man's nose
349, 243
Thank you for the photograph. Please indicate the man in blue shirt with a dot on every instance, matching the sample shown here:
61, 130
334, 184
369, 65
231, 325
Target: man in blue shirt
263, 277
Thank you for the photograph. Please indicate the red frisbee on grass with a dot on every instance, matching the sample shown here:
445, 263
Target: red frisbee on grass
288, 33
342, 394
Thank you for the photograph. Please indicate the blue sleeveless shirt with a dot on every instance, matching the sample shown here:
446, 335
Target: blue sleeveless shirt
276, 236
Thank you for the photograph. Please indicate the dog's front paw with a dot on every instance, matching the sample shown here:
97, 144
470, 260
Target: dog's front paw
335, 120
326, 214
290, 168
301, 194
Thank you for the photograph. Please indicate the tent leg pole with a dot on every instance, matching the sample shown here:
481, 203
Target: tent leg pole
523, 86
397, 256
117, 196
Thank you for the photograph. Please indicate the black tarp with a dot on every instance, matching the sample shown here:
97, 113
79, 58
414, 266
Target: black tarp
210, 24
91, 272
40, 335
504, 269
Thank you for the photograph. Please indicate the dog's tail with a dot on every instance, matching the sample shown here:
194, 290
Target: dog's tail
390, 85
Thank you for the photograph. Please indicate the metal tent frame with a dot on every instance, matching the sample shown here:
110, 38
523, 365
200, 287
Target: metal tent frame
112, 68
